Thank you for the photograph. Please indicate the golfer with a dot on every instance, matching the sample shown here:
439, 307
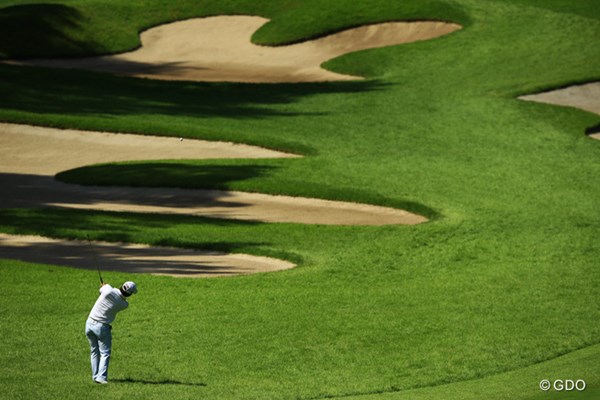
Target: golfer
98, 329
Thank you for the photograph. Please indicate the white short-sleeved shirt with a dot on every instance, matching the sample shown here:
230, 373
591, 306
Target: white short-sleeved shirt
108, 305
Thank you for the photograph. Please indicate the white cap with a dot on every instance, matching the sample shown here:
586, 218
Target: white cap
129, 287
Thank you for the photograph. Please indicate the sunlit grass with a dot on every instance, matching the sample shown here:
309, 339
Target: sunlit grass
503, 277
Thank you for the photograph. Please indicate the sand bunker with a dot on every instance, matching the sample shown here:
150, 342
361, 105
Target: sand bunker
29, 156
135, 258
585, 97
210, 49
43, 191
47, 151
219, 49
229, 205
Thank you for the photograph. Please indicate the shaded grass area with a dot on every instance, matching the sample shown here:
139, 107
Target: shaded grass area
222, 175
114, 227
86, 27
593, 129
505, 278
104, 102
42, 30
230, 175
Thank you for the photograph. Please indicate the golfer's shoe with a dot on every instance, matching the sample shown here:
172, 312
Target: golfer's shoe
101, 381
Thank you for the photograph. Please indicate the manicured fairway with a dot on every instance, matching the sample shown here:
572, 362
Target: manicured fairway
499, 290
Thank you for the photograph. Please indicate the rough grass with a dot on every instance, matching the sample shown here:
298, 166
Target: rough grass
504, 278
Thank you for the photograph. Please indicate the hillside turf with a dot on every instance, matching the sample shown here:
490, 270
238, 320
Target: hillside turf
482, 299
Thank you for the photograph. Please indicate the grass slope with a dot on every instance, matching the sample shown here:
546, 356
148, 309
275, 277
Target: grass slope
518, 384
95, 26
503, 278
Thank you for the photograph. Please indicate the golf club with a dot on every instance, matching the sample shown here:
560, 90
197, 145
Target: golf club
95, 260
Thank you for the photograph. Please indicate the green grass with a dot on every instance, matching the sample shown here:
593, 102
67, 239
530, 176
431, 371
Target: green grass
518, 384
229, 175
478, 302
95, 26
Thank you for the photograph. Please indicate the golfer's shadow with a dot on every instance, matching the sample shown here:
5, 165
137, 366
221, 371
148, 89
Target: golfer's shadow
157, 382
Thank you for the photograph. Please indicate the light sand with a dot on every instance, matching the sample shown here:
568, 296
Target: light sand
47, 151
210, 49
29, 156
239, 206
43, 191
134, 258
585, 97
219, 49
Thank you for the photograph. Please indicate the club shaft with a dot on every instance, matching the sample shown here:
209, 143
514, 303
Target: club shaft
95, 260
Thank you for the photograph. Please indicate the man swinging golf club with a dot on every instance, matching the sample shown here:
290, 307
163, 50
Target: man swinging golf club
98, 329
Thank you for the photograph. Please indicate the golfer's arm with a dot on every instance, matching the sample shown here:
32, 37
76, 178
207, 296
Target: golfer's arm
105, 287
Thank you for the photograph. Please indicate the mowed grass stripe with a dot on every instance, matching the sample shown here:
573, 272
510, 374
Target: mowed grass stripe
505, 278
